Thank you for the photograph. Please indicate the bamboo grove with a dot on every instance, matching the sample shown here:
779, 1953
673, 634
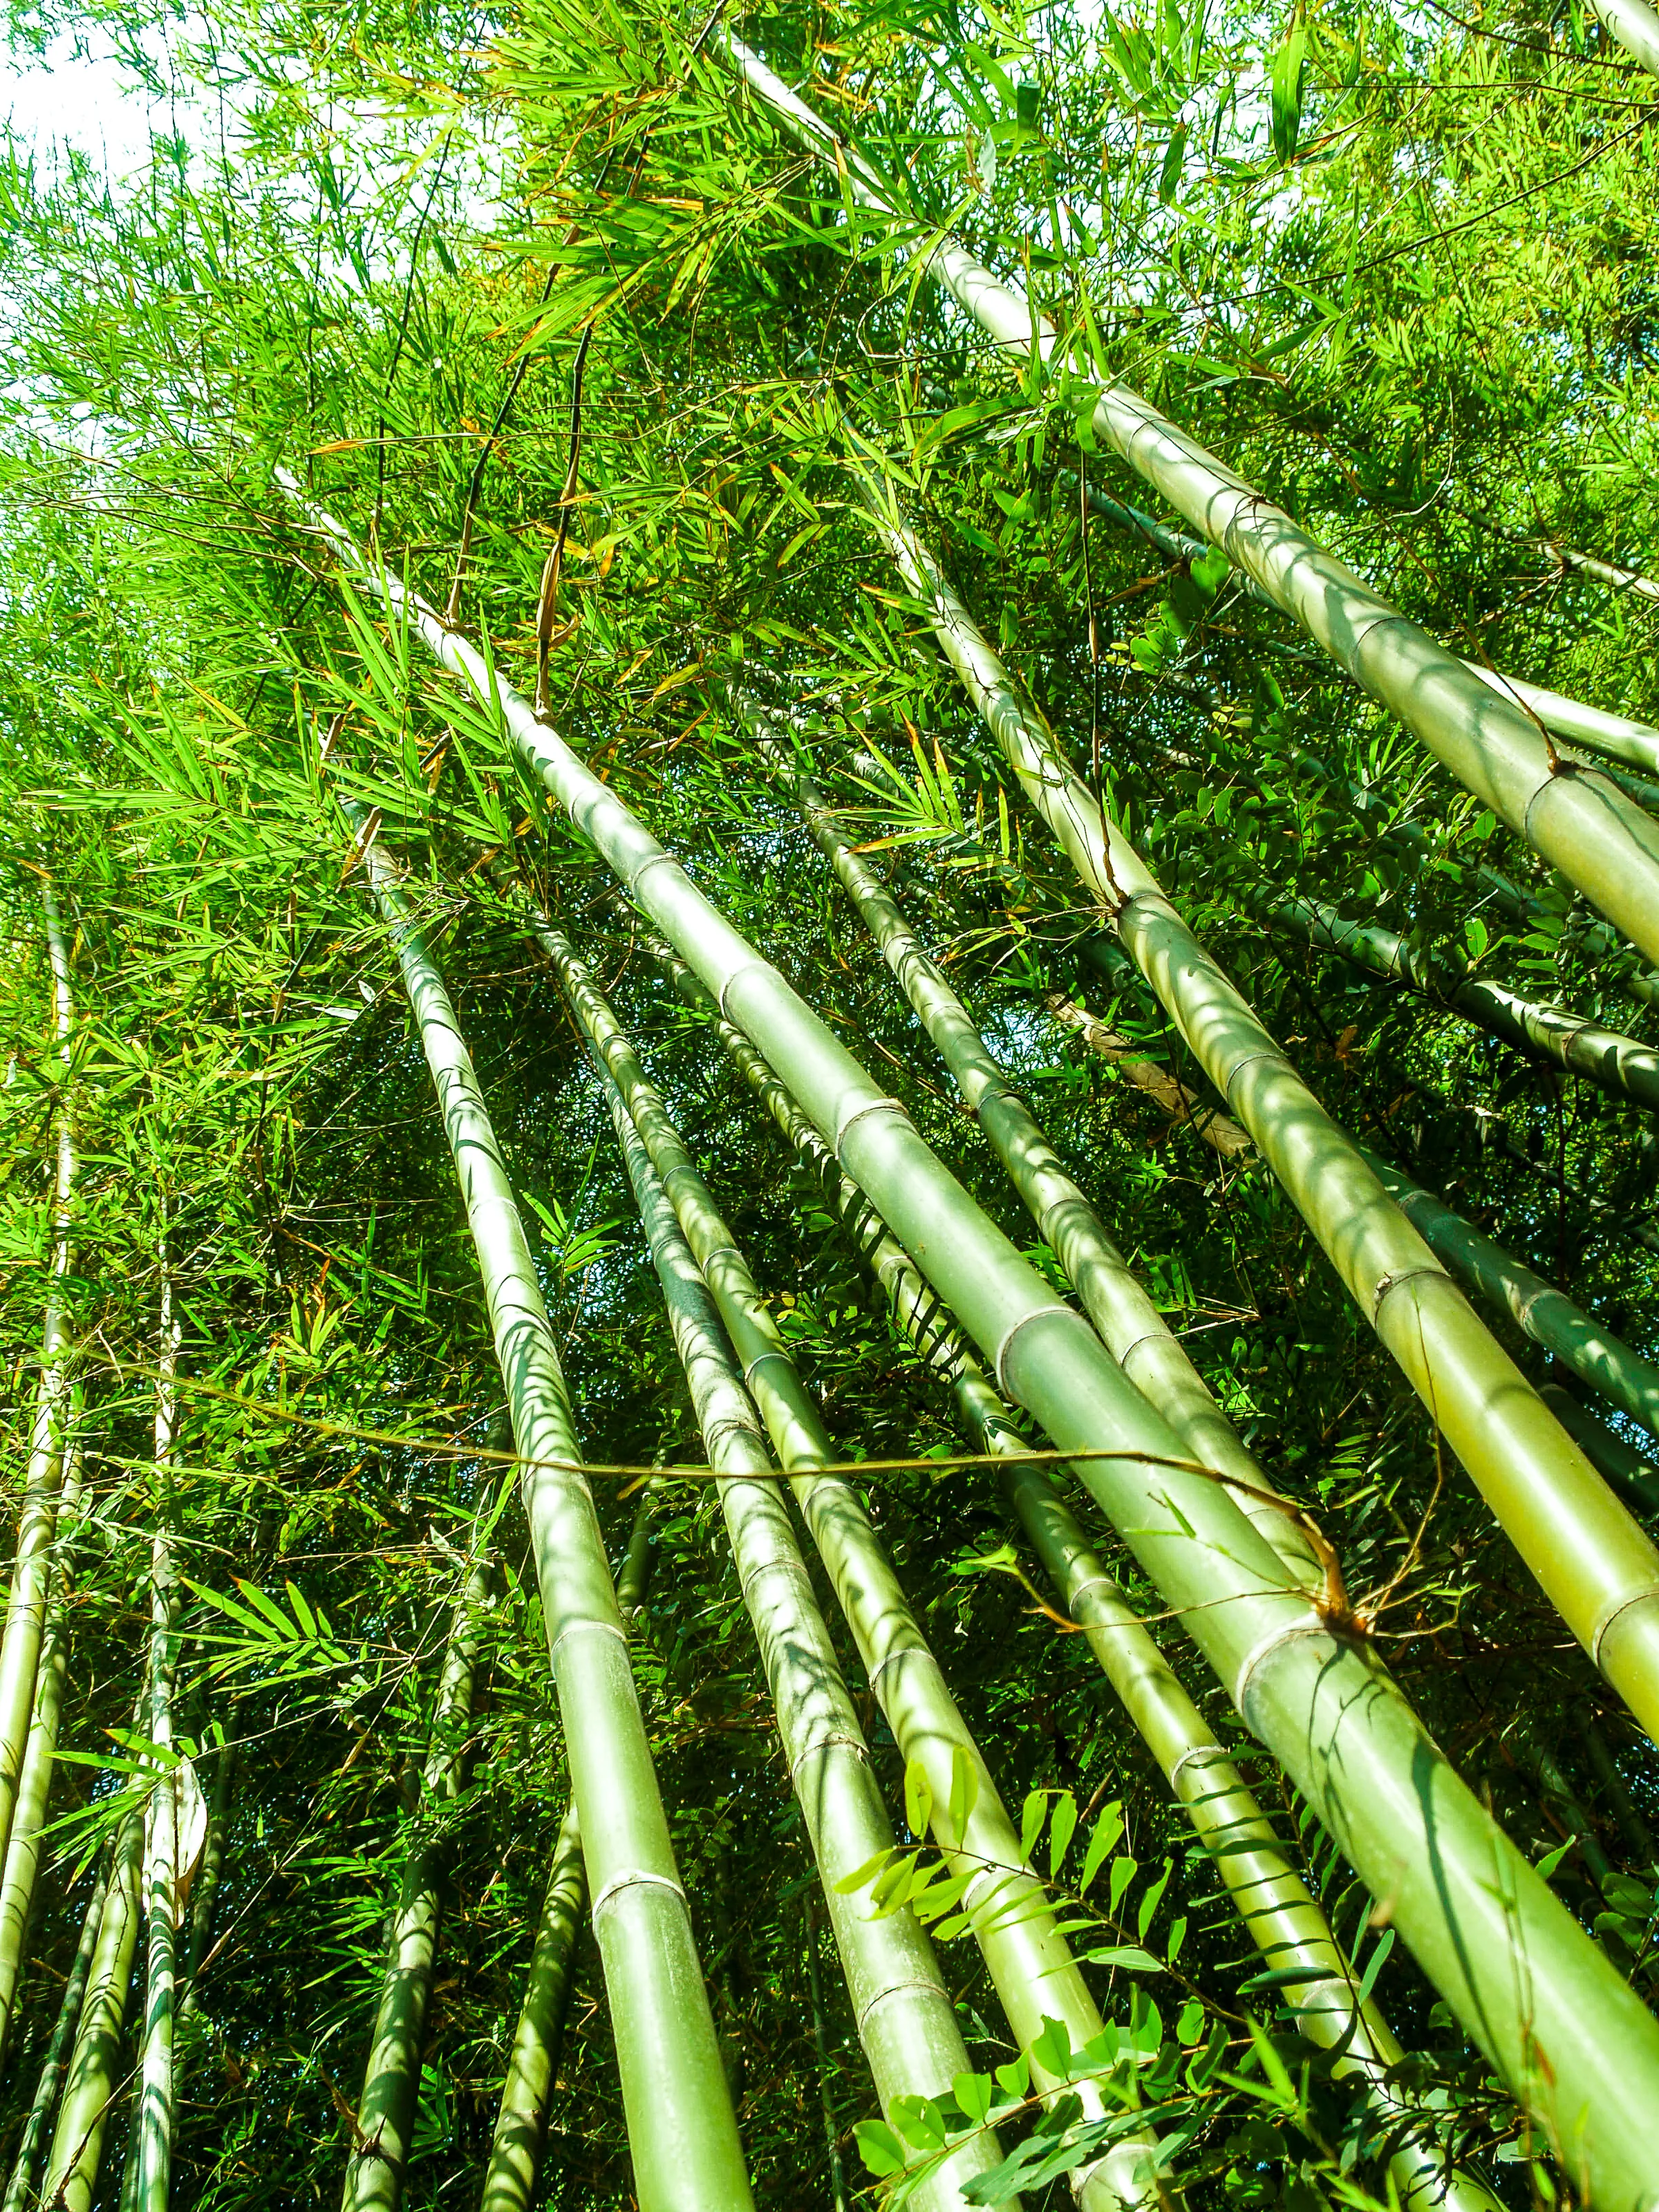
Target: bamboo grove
830, 916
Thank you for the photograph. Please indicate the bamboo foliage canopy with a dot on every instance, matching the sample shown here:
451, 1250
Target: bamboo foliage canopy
466, 476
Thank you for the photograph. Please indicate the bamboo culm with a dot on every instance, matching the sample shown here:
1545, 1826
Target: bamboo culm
20, 1644
97, 2066
1615, 1063
205, 1893
520, 2131
1633, 1475
1635, 26
1280, 1915
906, 2020
1596, 1566
1600, 840
1473, 1909
682, 2134
20, 2189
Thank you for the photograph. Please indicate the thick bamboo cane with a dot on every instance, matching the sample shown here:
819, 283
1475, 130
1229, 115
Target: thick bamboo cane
1597, 1567
96, 2069
1030, 1965
20, 2189
1482, 1922
20, 1645
1614, 1062
205, 1894
1281, 1916
681, 2135
520, 2132
1635, 27
378, 2167
906, 2020
22, 1863
1130, 1325
1547, 1315
1599, 839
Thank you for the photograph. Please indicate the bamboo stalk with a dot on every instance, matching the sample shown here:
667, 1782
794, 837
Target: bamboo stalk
1632, 1474
1615, 1063
1479, 1919
1599, 839
681, 2135
906, 2020
20, 2189
821, 2046
205, 1894
1280, 1915
1635, 26
520, 2132
1596, 1566
96, 2070
1547, 1315
20, 1644
1183, 1107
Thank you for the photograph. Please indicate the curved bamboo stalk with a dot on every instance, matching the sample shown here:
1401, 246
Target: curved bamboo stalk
1599, 839
23, 1861
1130, 1325
682, 2134
20, 2189
520, 2132
906, 2020
1598, 1568
1479, 1919
378, 2167
1618, 1063
95, 2070
20, 1645
1029, 1963
1635, 26
1547, 1315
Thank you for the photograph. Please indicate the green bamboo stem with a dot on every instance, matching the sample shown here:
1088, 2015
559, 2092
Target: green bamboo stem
821, 2046
1184, 1108
96, 2068
1029, 1963
379, 2165
21, 2188
521, 2133
1616, 1063
20, 1644
204, 1896
906, 2020
22, 1858
1632, 1474
1280, 1914
1635, 26
1478, 1916
1599, 839
1596, 1566
1547, 1315
681, 2135
1129, 1324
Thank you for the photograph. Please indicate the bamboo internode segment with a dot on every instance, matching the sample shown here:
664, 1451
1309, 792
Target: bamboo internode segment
905, 2019
687, 2157
1599, 1569
97, 2064
21, 2190
1598, 839
515, 2150
1029, 1961
1635, 27
1479, 1918
1619, 1063
1280, 1915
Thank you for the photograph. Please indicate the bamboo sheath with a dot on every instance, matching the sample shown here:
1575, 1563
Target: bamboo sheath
682, 2135
1281, 1916
20, 1644
1599, 839
1615, 1063
1616, 735
1479, 1919
1130, 1325
906, 2021
22, 1862
1030, 1965
1596, 1566
1635, 27
390, 2104
1547, 1315
96, 2065
520, 2131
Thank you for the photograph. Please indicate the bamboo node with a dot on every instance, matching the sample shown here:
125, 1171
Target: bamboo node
1264, 1649
1000, 1359
1390, 1282
830, 1740
871, 1106
1616, 1612
634, 1878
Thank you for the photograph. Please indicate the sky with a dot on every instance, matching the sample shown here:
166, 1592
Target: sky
85, 104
